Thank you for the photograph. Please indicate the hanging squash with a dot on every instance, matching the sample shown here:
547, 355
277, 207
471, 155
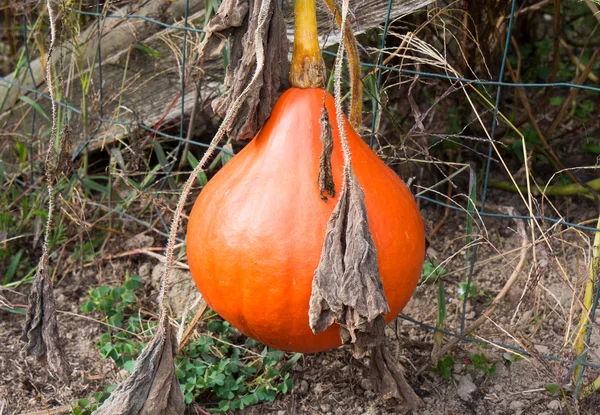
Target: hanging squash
255, 234
256, 231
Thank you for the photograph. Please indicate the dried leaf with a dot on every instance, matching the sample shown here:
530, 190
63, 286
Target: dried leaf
326, 184
347, 287
152, 388
388, 379
259, 102
41, 328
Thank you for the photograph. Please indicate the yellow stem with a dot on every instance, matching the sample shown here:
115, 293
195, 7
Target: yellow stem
308, 69
584, 320
591, 388
354, 66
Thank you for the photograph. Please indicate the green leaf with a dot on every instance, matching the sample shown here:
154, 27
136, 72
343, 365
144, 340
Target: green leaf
291, 362
104, 291
226, 153
444, 367
512, 357
92, 185
147, 50
88, 306
133, 283
462, 290
202, 179
588, 106
128, 297
129, 366
15, 310
117, 292
35, 105
106, 350
83, 402
556, 100
214, 326
552, 388
249, 400
105, 305
441, 318
12, 267
116, 320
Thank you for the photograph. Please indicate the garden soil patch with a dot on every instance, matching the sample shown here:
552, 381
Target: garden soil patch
334, 382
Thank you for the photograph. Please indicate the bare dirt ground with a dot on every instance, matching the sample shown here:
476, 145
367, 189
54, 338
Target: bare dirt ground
335, 383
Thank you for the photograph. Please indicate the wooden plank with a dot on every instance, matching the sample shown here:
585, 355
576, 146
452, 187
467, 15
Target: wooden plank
141, 84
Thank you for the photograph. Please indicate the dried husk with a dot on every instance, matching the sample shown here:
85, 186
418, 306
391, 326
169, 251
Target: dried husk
152, 388
326, 184
347, 287
388, 379
259, 102
41, 333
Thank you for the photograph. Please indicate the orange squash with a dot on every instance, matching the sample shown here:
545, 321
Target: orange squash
256, 231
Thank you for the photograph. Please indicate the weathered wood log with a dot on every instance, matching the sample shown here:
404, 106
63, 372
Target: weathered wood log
141, 70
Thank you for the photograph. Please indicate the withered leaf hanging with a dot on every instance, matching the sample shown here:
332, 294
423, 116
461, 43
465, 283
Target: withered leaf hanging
274, 76
326, 184
41, 328
388, 379
347, 287
152, 388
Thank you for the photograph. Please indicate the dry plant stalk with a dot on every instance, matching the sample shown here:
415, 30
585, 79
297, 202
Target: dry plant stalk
347, 287
41, 327
355, 116
153, 388
584, 321
236, 18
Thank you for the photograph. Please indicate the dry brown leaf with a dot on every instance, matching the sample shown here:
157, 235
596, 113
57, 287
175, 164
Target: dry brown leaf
388, 379
274, 77
326, 184
152, 388
41, 333
347, 287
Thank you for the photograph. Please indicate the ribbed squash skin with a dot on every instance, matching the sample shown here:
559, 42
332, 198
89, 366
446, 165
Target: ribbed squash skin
256, 231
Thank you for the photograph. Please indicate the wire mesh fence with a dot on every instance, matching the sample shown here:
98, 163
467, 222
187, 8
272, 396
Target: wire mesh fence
180, 136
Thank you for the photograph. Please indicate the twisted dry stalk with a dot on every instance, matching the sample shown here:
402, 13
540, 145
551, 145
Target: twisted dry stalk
41, 327
337, 85
351, 46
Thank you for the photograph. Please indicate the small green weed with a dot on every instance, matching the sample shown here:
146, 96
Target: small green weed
431, 272
479, 361
512, 357
88, 406
212, 368
462, 290
444, 367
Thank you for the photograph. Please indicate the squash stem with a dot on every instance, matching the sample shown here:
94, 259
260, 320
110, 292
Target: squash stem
354, 66
308, 69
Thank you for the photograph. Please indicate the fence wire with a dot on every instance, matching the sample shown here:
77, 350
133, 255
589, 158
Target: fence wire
182, 140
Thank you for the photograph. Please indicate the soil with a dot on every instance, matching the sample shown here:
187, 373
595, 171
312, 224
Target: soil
334, 382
